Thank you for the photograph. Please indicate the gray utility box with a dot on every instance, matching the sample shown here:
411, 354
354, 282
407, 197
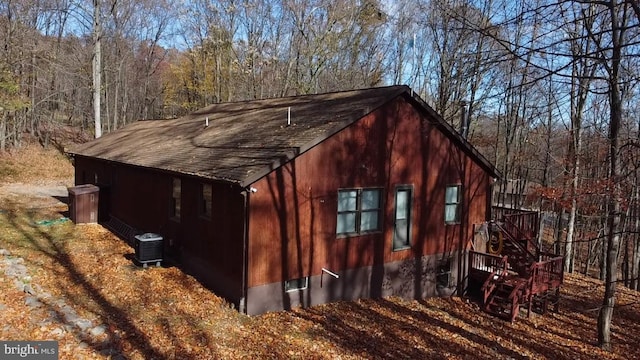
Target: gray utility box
148, 248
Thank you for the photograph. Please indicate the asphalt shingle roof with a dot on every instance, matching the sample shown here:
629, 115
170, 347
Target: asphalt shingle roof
244, 140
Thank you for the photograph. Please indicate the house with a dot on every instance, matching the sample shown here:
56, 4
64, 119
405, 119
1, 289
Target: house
302, 200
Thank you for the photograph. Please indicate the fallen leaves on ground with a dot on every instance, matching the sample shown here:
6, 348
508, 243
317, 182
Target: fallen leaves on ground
162, 313
35, 165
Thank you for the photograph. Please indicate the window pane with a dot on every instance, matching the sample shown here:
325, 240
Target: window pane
369, 221
451, 213
346, 223
370, 199
402, 204
347, 200
451, 195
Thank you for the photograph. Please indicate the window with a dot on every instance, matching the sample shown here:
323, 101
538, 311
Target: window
443, 275
358, 211
175, 199
205, 200
452, 204
296, 284
402, 220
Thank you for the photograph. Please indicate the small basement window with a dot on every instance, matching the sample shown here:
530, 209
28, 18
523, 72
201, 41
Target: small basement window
296, 284
443, 275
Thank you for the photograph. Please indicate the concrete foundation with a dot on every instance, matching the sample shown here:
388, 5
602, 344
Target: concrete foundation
413, 279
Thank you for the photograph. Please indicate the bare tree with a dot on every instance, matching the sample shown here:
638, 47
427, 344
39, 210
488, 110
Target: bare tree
97, 67
582, 73
611, 49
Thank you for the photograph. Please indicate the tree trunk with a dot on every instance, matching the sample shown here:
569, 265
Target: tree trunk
614, 214
625, 263
568, 246
635, 258
587, 266
97, 67
575, 148
604, 245
3, 132
558, 234
613, 243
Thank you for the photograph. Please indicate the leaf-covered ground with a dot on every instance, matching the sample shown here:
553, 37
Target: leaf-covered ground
161, 313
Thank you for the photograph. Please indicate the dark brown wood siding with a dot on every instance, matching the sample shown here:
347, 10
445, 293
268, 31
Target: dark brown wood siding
209, 247
293, 213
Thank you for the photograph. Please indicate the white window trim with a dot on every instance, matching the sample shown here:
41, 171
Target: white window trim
305, 286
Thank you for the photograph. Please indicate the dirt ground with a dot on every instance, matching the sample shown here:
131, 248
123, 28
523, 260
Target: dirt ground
35, 177
46, 194
47, 190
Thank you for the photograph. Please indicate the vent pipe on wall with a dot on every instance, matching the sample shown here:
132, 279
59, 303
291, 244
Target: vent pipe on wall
464, 120
327, 272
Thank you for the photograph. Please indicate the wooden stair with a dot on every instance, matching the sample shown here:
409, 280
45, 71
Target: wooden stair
521, 273
505, 299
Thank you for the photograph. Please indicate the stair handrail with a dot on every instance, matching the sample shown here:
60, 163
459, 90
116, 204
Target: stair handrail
497, 274
518, 287
513, 240
515, 299
530, 243
515, 229
521, 225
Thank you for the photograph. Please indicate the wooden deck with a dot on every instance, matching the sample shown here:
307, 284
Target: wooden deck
521, 274
504, 290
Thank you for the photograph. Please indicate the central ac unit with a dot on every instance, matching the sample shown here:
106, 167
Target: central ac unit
148, 248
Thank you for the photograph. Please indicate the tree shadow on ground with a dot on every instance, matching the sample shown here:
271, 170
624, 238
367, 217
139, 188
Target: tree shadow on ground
386, 328
121, 315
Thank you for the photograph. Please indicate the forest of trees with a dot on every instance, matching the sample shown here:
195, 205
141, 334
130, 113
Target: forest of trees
547, 87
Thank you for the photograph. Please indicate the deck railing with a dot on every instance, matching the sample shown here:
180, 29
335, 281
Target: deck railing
547, 272
525, 220
485, 262
500, 270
